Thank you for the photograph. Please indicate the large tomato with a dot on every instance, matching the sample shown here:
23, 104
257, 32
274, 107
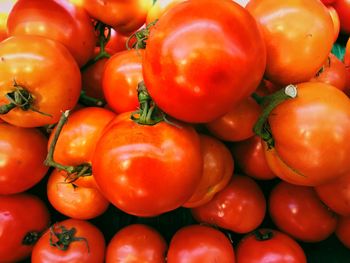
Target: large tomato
22, 151
58, 20
299, 35
347, 65
198, 63
39, 74
343, 10
198, 244
147, 170
159, 8
23, 218
136, 243
5, 8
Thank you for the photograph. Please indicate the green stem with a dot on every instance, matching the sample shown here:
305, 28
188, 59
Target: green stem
63, 237
90, 101
140, 37
30, 238
263, 235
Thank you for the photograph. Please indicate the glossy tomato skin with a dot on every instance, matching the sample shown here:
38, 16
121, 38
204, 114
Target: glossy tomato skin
343, 231
239, 207
311, 133
347, 66
184, 48
15, 224
117, 42
218, 168
336, 21
343, 10
279, 248
298, 35
22, 151
159, 8
25, 60
297, 211
92, 250
200, 244
147, 170
121, 75
58, 20
136, 243
5, 8
74, 201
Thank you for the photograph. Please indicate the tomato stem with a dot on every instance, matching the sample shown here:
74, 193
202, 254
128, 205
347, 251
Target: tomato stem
140, 37
30, 238
90, 101
263, 235
262, 127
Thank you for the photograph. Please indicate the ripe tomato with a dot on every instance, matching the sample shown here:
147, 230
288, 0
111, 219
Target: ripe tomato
5, 8
117, 42
198, 244
22, 154
24, 60
336, 195
23, 218
347, 66
217, 171
311, 134
237, 124
58, 20
136, 243
240, 207
147, 170
122, 73
123, 16
74, 201
72, 241
343, 231
159, 8
250, 157
298, 35
208, 61
336, 22
343, 9
297, 211
269, 246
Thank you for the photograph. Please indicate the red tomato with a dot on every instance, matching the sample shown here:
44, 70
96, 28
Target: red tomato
147, 170
336, 195
159, 8
250, 157
23, 218
199, 244
217, 171
206, 63
328, 2
311, 134
22, 151
269, 246
24, 61
122, 73
343, 9
58, 20
343, 231
333, 72
240, 207
336, 21
297, 211
136, 243
117, 42
298, 34
73, 241
5, 8
123, 16
74, 201
347, 66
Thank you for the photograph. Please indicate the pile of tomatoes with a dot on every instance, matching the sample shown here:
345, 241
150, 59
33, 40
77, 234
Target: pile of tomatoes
194, 131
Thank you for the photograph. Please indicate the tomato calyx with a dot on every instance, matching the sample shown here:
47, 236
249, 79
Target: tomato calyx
270, 102
263, 235
140, 37
30, 238
62, 238
73, 172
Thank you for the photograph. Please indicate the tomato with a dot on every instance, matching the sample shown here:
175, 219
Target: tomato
5, 8
336, 195
159, 8
347, 66
217, 171
198, 244
78, 139
269, 246
117, 42
24, 60
297, 211
58, 20
336, 22
147, 170
122, 73
208, 61
298, 35
123, 16
239, 207
328, 2
333, 72
23, 218
237, 124
136, 243
22, 155
343, 9
250, 157
311, 134
72, 241
74, 201
343, 231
